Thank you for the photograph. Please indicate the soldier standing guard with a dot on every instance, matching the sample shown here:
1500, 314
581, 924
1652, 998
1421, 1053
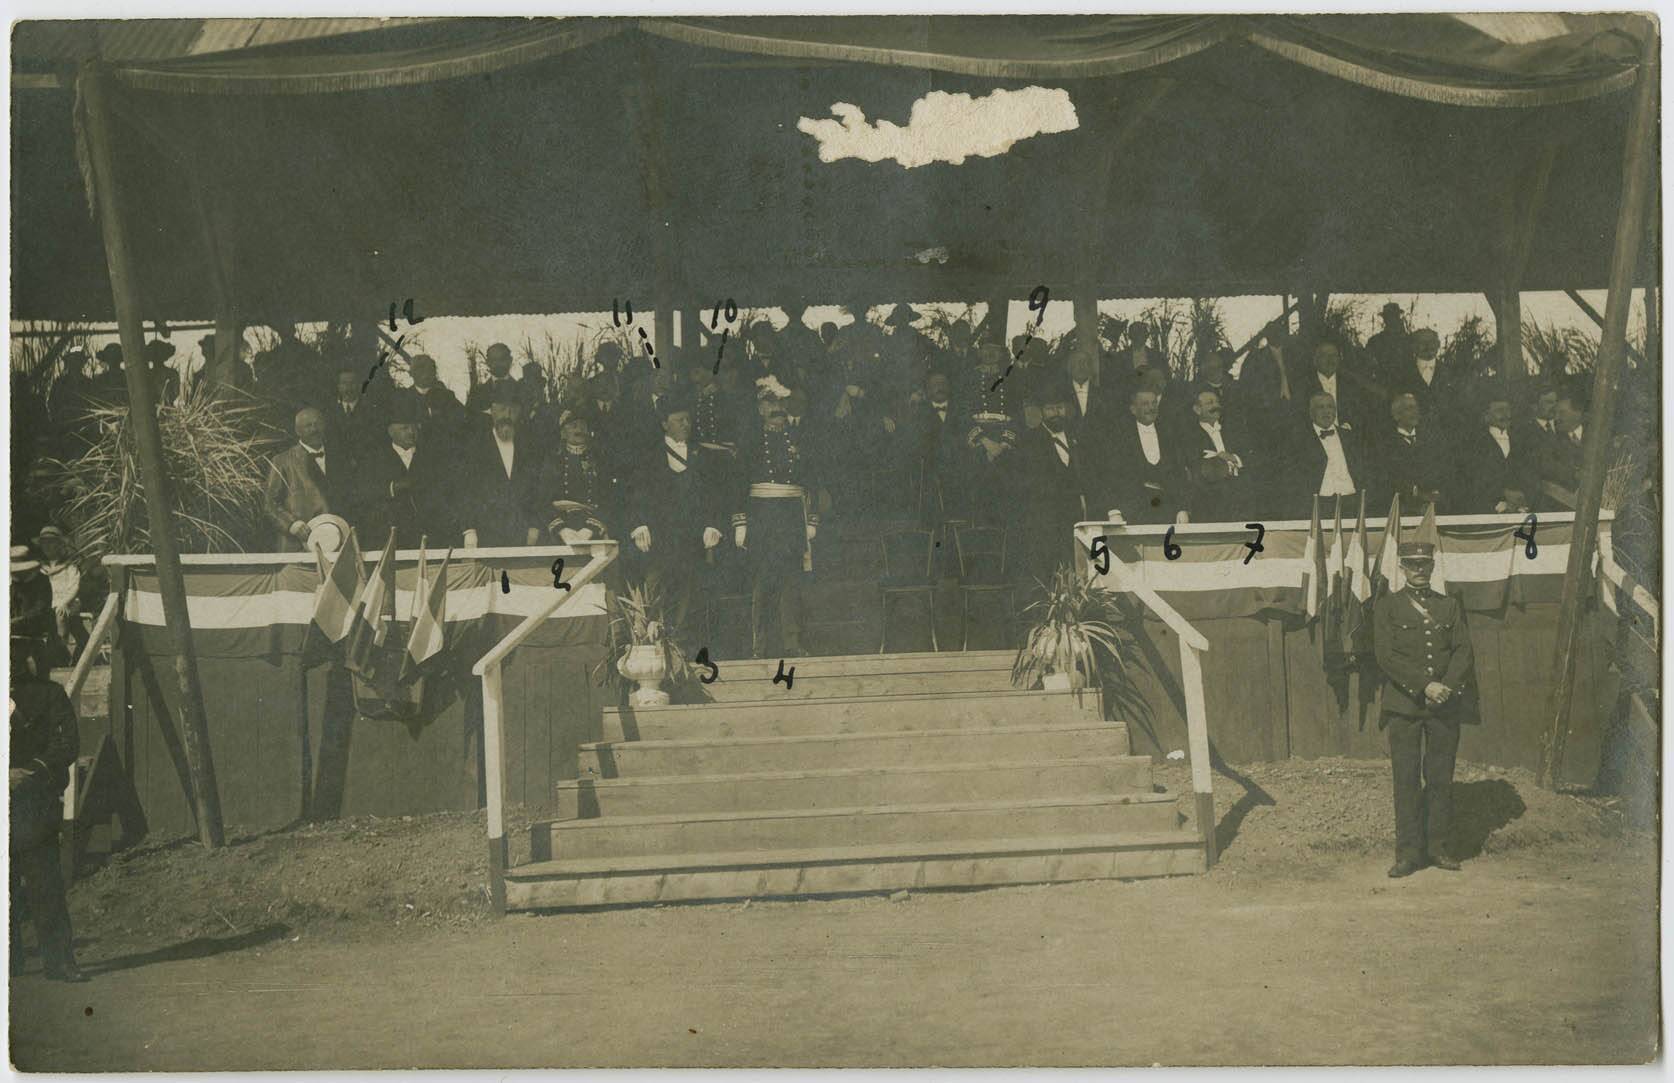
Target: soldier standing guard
775, 522
1424, 650
44, 743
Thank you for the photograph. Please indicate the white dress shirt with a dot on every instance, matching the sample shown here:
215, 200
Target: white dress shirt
1328, 384
1082, 390
678, 448
1336, 481
940, 408
1503, 439
1427, 370
508, 449
317, 454
1213, 428
1148, 443
405, 454
1060, 444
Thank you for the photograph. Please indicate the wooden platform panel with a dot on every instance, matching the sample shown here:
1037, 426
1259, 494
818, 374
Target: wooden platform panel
853, 870
820, 828
851, 786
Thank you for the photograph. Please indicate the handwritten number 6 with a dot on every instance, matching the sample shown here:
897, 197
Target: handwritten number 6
1170, 550
1526, 532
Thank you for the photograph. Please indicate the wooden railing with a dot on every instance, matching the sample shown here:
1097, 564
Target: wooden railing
493, 709
1193, 644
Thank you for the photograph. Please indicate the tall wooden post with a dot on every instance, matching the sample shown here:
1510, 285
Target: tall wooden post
142, 416
648, 120
1630, 223
1522, 208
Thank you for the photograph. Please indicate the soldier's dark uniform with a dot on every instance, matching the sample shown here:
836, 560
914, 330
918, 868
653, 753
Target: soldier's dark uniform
773, 503
44, 743
1421, 636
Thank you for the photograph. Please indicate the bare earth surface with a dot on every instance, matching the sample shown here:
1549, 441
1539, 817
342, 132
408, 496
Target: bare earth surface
367, 944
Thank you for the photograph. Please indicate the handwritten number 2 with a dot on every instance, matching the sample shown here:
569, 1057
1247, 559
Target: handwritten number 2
558, 575
1526, 533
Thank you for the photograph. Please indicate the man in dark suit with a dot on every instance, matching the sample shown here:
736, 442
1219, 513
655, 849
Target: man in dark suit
676, 510
582, 472
1324, 458
1061, 484
1423, 649
1494, 462
1389, 352
938, 431
1437, 387
1093, 406
44, 745
502, 481
405, 485
1218, 451
1411, 458
499, 382
302, 482
1561, 459
352, 422
439, 410
1325, 374
1147, 465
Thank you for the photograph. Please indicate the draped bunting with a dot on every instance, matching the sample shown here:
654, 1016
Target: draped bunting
1480, 60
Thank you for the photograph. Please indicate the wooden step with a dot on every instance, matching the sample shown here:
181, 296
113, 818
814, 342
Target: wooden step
770, 716
849, 665
851, 787
803, 828
893, 866
748, 755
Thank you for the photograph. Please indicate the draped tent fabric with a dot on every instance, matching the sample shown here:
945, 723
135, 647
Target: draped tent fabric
491, 166
1460, 60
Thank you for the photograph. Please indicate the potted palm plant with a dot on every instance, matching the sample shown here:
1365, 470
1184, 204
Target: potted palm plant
1074, 639
641, 648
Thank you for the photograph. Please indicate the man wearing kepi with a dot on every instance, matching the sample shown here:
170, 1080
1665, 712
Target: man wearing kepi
775, 522
1424, 650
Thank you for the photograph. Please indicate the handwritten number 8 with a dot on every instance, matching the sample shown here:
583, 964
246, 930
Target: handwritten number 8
1526, 533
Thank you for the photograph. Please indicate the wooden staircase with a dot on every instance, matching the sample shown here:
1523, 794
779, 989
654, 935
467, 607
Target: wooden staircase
867, 774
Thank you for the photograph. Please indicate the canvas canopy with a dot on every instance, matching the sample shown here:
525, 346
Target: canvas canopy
489, 165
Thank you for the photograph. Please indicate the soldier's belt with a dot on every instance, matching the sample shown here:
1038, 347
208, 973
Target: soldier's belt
773, 490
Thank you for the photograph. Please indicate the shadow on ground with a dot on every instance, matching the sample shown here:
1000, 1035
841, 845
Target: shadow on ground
199, 947
1479, 809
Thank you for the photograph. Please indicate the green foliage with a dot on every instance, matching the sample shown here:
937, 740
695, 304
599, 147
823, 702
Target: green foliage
1076, 627
1470, 348
216, 443
638, 618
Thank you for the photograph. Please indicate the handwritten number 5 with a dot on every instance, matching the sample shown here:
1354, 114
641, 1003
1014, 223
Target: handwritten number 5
1100, 554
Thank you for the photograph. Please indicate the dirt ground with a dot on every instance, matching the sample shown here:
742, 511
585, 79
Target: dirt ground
368, 944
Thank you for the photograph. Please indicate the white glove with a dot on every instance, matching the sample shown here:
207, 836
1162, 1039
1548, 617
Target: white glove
298, 529
642, 538
738, 533
889, 424
711, 537
812, 530
1182, 518
471, 539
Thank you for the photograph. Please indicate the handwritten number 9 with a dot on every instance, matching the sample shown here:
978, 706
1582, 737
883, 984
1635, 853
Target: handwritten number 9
1039, 297
1170, 550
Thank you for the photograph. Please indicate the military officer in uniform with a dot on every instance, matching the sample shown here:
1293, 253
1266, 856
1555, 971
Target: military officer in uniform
1423, 648
44, 743
776, 524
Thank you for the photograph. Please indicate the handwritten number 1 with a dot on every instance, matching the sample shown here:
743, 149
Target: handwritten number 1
1526, 532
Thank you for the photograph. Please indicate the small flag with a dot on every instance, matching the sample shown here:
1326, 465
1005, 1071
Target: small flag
1314, 557
340, 585
374, 612
1359, 559
429, 617
1427, 532
1390, 578
1339, 560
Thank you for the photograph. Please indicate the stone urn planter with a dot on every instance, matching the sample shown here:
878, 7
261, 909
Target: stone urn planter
646, 664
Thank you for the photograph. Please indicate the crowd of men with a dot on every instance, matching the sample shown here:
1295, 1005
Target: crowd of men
752, 443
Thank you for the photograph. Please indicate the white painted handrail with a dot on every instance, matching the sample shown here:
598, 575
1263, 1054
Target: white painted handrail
493, 711
95, 636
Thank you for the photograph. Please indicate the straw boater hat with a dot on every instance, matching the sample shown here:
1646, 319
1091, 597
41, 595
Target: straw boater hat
21, 564
327, 533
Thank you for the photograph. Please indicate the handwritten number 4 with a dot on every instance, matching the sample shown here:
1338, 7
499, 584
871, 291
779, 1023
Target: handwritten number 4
1526, 533
787, 677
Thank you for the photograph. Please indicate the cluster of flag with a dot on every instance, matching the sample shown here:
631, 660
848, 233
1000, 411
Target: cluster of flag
358, 610
1346, 575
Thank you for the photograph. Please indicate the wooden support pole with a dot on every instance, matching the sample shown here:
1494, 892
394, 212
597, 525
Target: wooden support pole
1637, 160
1594, 315
648, 120
1528, 194
1507, 305
142, 416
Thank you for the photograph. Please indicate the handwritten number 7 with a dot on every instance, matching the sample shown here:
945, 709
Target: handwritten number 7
1526, 533
1254, 547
